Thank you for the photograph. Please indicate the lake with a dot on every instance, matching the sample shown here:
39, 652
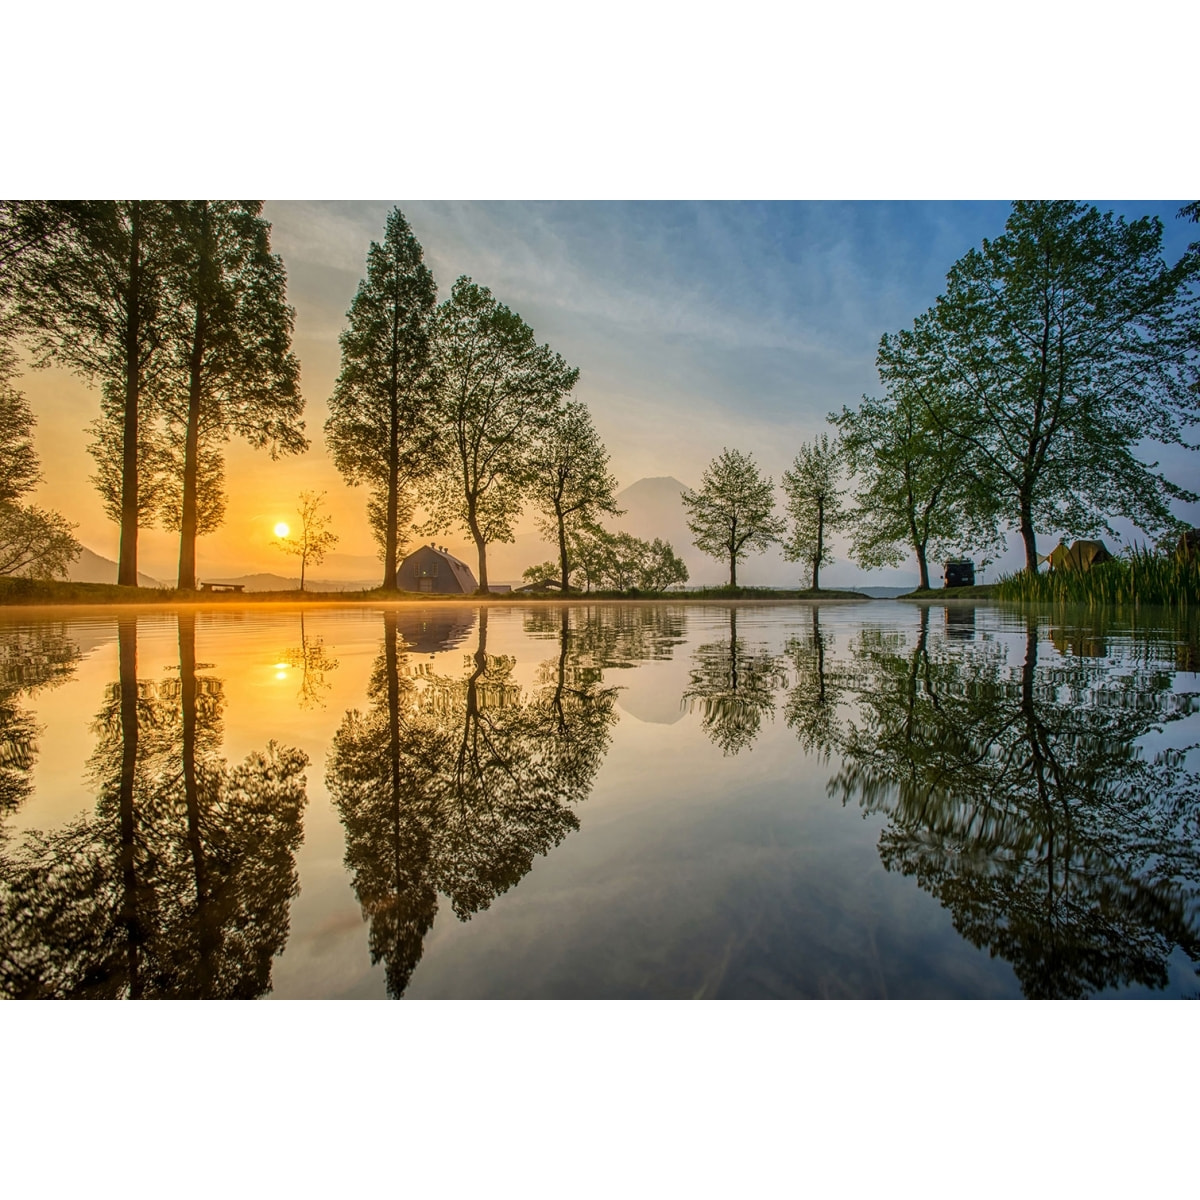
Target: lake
777, 800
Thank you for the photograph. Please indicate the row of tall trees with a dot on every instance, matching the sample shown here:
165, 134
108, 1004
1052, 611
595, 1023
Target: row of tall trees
178, 310
459, 401
1023, 399
732, 513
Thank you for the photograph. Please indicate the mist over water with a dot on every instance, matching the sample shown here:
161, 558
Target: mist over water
590, 800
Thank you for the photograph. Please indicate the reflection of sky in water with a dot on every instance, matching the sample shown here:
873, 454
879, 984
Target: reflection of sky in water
714, 854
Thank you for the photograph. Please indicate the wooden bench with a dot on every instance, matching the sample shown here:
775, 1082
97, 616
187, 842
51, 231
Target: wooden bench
222, 587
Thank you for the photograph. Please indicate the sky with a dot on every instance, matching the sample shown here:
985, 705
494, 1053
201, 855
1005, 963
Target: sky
696, 326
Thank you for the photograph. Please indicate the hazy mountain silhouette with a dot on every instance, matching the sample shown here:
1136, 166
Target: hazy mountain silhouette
91, 567
265, 581
653, 509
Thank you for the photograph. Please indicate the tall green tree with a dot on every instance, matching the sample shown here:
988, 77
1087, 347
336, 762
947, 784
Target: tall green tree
1057, 348
381, 428
97, 302
498, 390
229, 368
916, 490
814, 503
570, 481
733, 513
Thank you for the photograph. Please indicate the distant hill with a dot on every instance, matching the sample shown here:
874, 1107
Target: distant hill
264, 581
91, 567
653, 509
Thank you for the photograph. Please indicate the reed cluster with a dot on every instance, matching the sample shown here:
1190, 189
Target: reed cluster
1139, 577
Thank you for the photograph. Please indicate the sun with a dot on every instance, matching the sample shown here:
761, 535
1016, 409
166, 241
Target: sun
281, 530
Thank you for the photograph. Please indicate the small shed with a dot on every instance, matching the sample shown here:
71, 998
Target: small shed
1083, 555
434, 569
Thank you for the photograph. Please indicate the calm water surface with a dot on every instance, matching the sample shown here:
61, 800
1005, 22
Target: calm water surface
856, 800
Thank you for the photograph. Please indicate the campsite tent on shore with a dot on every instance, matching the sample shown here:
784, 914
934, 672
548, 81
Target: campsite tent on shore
1083, 555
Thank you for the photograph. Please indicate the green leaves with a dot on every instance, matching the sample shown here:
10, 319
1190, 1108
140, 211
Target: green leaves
1056, 349
383, 422
498, 393
814, 503
733, 513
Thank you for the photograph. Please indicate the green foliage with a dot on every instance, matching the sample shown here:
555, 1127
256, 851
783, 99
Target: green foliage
734, 686
569, 482
96, 300
179, 883
1055, 350
382, 427
34, 542
1018, 794
814, 504
228, 369
661, 568
498, 390
545, 575
733, 513
19, 470
1139, 577
620, 562
916, 490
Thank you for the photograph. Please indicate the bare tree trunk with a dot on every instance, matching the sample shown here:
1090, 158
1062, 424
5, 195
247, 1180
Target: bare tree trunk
190, 522
923, 568
1028, 536
127, 567
390, 552
562, 549
481, 548
820, 544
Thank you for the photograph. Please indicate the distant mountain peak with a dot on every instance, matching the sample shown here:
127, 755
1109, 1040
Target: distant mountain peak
662, 485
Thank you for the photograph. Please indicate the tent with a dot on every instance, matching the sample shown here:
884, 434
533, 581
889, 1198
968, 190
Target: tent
1083, 555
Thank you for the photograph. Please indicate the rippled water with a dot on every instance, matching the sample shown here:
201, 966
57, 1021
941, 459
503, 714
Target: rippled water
854, 800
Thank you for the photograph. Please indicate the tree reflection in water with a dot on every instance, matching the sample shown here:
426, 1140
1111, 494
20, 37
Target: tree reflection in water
179, 884
31, 659
734, 688
454, 786
314, 662
1020, 798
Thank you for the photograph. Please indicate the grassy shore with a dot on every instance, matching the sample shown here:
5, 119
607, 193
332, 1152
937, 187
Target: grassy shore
37, 593
1140, 578
978, 591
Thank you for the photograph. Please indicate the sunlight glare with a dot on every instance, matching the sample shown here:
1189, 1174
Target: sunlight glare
281, 530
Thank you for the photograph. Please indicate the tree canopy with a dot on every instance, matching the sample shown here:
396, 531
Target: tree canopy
1056, 349
917, 491
96, 300
814, 504
733, 513
569, 479
381, 428
498, 390
229, 368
